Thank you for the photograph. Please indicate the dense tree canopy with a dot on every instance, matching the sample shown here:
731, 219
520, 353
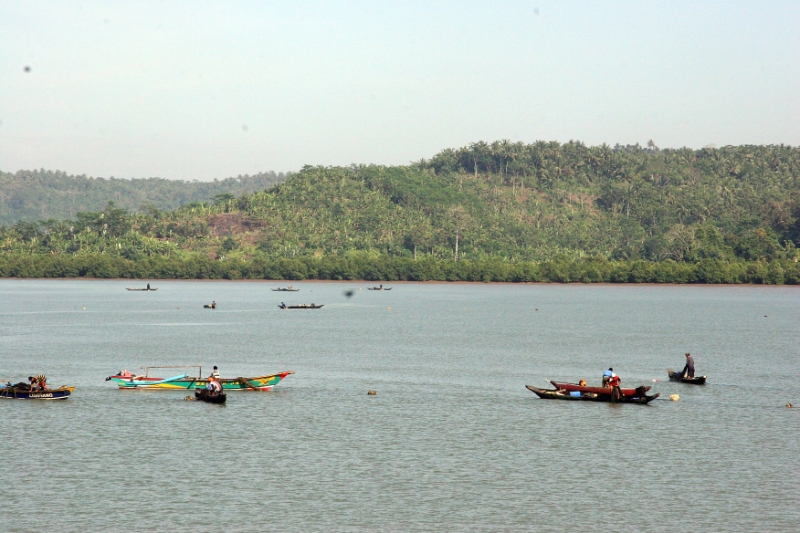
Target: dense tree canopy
517, 211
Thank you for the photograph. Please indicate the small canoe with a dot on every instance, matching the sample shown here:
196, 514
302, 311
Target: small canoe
379, 288
697, 380
596, 390
144, 290
301, 306
285, 289
24, 393
204, 395
560, 394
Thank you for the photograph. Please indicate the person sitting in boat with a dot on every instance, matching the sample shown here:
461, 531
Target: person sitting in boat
607, 375
215, 373
688, 370
283, 305
148, 286
32, 385
214, 388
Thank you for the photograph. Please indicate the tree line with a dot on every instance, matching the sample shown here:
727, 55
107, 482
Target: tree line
664, 215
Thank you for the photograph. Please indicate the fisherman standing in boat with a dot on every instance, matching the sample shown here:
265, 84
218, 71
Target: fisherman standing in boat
688, 370
616, 392
215, 373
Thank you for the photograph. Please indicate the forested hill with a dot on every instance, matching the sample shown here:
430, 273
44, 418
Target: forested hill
43, 195
501, 203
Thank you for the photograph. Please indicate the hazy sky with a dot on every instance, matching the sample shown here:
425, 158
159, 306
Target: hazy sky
205, 89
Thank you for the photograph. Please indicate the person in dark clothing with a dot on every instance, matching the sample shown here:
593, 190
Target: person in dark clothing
688, 370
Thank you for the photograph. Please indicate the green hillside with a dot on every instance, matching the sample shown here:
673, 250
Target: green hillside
42, 195
727, 214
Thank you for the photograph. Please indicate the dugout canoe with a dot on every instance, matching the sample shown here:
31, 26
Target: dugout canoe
676, 376
560, 394
595, 390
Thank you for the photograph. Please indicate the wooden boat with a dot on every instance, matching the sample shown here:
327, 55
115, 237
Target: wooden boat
204, 395
22, 391
301, 306
212, 305
285, 289
145, 290
675, 376
560, 394
381, 288
595, 390
126, 381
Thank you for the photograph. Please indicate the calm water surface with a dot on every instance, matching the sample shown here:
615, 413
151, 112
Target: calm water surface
452, 442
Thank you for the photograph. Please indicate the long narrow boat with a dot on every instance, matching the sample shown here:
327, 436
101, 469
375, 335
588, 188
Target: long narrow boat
145, 290
285, 289
675, 376
595, 390
381, 288
560, 394
23, 393
125, 381
301, 306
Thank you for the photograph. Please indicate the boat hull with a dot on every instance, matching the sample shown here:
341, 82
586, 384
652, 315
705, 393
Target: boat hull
557, 394
308, 306
595, 390
261, 383
205, 396
12, 393
697, 380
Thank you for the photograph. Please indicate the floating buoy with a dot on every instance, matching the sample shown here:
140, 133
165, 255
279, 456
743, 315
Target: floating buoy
84, 309
674, 397
388, 308
372, 392
789, 405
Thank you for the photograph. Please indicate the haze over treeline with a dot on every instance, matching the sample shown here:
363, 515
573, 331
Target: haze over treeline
31, 195
486, 203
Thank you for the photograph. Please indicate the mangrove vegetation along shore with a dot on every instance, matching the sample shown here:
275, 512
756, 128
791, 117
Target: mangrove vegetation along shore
486, 212
384, 268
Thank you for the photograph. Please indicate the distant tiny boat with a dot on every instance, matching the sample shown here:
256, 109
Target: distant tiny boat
22, 391
675, 376
301, 306
204, 395
286, 289
379, 288
212, 305
146, 289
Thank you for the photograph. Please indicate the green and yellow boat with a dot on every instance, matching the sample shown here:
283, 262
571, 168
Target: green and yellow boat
129, 381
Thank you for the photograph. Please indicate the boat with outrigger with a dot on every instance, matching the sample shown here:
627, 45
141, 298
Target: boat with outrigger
126, 380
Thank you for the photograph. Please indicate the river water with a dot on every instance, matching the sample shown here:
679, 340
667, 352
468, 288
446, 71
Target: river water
451, 442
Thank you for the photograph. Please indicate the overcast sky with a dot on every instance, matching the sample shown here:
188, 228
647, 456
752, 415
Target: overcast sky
205, 89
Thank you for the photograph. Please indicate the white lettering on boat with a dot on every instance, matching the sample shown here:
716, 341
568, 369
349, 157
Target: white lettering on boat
42, 395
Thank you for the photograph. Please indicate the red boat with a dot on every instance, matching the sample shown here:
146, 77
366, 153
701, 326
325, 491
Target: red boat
595, 390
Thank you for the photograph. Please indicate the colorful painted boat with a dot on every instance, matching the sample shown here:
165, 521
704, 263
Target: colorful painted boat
125, 381
24, 393
594, 390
